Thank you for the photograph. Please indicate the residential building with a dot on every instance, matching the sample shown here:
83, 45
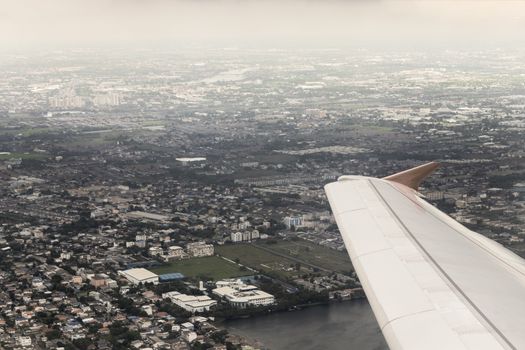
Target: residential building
175, 252
236, 237
293, 221
199, 249
98, 281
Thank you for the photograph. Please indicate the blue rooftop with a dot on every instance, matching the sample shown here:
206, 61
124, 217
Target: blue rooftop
171, 276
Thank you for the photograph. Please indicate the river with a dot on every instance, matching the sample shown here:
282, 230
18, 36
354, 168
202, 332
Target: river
347, 325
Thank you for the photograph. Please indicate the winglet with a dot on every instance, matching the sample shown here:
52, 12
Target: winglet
413, 177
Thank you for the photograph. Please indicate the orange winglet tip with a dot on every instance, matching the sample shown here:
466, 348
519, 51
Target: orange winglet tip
413, 177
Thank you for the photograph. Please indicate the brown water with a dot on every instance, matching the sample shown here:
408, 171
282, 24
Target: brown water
348, 325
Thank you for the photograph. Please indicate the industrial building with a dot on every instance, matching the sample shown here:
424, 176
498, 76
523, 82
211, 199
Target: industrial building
140, 275
191, 303
241, 295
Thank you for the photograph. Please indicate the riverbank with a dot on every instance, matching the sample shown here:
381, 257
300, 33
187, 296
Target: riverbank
230, 313
344, 325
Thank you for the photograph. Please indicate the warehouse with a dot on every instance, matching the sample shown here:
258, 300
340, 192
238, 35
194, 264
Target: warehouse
140, 275
191, 303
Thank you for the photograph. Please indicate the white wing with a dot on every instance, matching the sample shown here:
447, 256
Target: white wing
432, 283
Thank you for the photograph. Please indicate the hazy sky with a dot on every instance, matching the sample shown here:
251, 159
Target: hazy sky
313, 23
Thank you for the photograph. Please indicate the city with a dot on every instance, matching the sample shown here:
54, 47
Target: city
146, 198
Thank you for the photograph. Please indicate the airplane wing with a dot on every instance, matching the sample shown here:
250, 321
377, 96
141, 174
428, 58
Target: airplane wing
431, 282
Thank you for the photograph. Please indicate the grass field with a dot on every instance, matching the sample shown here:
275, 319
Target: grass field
94, 139
250, 255
26, 132
285, 254
313, 253
257, 258
29, 155
210, 267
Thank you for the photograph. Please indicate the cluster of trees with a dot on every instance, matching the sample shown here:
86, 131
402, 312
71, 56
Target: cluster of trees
129, 307
280, 201
80, 225
53, 334
121, 337
173, 310
226, 311
506, 181
45, 317
170, 286
219, 337
82, 344
287, 300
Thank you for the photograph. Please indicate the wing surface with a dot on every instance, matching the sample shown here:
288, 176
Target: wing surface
431, 282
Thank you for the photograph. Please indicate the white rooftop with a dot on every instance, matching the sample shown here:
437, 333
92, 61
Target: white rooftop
140, 273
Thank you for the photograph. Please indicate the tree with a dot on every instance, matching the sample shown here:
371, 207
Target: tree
93, 328
82, 344
53, 334
219, 336
231, 346
121, 337
201, 346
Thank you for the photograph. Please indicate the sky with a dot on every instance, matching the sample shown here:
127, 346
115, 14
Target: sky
397, 24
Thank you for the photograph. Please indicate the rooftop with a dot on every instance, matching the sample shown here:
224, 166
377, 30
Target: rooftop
139, 273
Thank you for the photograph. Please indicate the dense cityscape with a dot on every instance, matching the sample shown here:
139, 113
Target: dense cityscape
147, 197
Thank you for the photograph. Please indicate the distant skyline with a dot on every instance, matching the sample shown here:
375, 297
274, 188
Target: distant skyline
390, 24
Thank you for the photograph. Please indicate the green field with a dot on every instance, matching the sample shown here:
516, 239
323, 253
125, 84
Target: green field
206, 268
257, 259
93, 139
281, 261
29, 155
280, 256
312, 253
28, 131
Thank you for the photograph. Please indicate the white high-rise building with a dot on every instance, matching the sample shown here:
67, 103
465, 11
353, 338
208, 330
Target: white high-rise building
293, 221
236, 236
255, 234
66, 101
111, 99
